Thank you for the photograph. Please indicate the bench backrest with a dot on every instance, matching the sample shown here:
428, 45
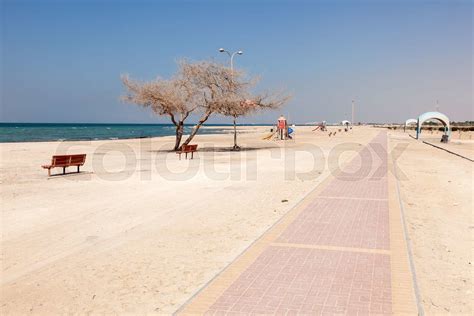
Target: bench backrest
65, 160
189, 148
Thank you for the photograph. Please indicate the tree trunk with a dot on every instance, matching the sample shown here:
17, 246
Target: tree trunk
198, 126
179, 135
235, 135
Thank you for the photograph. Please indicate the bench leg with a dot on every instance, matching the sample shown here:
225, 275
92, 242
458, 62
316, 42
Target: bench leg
49, 172
77, 169
186, 155
192, 154
64, 170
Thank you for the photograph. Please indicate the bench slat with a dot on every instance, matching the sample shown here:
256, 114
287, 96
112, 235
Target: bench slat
188, 148
68, 160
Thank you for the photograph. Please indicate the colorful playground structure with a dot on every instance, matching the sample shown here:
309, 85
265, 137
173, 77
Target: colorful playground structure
321, 126
281, 131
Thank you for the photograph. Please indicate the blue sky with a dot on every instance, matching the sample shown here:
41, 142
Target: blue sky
62, 60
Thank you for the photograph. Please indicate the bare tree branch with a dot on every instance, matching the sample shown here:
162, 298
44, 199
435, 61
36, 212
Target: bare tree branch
203, 86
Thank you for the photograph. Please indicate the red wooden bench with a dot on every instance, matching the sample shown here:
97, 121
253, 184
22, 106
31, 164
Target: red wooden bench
186, 149
64, 161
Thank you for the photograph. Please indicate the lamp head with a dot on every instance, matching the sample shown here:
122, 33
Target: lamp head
240, 52
221, 50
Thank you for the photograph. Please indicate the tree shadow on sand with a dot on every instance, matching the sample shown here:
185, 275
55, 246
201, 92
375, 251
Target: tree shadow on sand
218, 149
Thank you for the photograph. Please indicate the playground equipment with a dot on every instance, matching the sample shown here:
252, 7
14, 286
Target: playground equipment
282, 131
282, 128
290, 131
321, 127
428, 116
272, 134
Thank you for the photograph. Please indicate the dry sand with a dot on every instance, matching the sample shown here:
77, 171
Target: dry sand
140, 231
437, 197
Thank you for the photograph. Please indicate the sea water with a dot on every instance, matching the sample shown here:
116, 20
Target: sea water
41, 132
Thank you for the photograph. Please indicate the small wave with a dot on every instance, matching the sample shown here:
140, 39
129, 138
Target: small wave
113, 138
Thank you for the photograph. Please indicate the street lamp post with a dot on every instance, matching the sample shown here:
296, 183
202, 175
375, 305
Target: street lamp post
239, 52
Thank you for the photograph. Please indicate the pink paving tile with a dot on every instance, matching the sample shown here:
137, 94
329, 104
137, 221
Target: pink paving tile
362, 167
341, 222
352, 211
355, 188
324, 282
369, 163
364, 177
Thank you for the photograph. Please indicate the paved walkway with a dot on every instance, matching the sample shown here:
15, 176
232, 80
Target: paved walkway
341, 251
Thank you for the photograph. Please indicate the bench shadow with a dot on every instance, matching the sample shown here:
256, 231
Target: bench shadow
69, 174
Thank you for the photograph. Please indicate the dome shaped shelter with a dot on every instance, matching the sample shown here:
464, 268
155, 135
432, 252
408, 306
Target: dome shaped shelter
429, 116
346, 125
410, 122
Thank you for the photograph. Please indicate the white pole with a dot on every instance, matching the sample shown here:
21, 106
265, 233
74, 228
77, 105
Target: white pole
232, 65
352, 120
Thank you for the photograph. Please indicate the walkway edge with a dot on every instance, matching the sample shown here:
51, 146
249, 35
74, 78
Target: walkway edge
405, 300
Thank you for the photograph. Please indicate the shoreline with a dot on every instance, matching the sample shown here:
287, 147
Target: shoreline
228, 130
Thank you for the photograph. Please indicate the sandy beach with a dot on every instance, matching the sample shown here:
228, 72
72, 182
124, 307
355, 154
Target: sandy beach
236, 158
139, 231
437, 197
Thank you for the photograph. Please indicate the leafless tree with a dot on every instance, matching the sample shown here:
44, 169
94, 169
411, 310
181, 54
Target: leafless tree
207, 87
228, 93
216, 86
175, 98
196, 86
243, 104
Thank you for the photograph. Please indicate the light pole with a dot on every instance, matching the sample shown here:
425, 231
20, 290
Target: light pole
239, 52
352, 116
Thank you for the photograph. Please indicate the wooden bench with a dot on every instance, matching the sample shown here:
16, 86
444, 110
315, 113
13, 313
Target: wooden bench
185, 149
64, 161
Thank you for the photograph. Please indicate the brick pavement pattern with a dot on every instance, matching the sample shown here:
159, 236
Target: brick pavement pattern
333, 258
